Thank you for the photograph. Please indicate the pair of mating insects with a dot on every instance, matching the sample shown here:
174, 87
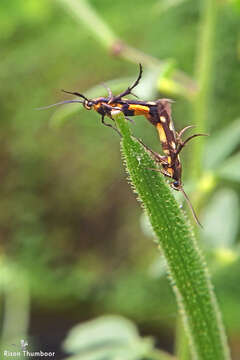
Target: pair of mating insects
158, 113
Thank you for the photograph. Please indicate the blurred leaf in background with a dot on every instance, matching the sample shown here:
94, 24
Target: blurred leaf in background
110, 337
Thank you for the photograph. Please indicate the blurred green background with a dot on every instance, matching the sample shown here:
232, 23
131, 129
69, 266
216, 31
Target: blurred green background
74, 242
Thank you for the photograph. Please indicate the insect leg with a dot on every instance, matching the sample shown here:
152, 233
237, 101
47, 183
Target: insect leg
110, 125
131, 120
156, 157
162, 171
110, 94
110, 108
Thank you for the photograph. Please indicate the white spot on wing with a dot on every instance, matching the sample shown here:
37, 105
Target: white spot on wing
173, 145
171, 126
151, 103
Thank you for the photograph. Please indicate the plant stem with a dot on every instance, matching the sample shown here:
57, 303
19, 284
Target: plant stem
188, 273
182, 350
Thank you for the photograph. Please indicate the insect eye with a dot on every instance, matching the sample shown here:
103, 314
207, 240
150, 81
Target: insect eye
175, 185
88, 104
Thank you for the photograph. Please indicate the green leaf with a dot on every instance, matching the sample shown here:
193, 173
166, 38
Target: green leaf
221, 145
111, 329
221, 226
107, 337
230, 170
188, 273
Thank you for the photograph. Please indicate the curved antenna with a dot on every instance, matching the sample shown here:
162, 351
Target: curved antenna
138, 78
128, 91
75, 93
182, 144
191, 207
185, 129
60, 103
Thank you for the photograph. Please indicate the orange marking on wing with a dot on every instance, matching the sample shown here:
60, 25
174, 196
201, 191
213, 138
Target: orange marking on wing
170, 171
161, 133
139, 109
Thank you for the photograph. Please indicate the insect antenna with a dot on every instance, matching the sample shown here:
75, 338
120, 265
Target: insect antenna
182, 144
138, 78
75, 93
60, 103
185, 129
191, 207
130, 88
